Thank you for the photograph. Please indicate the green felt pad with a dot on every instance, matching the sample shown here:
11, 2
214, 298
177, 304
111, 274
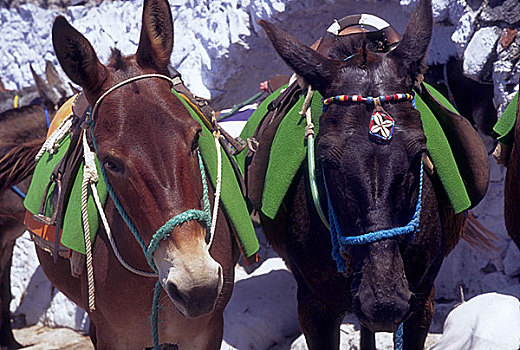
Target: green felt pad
72, 234
287, 154
506, 123
252, 124
442, 158
231, 196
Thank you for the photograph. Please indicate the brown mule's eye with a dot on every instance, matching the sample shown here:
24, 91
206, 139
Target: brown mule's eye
113, 165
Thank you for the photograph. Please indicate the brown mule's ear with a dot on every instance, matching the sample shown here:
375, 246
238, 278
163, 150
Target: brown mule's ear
156, 41
76, 56
2, 87
413, 47
46, 92
316, 69
54, 79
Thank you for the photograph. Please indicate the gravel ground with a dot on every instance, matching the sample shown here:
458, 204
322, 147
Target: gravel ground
45, 338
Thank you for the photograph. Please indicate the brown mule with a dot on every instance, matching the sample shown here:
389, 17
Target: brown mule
147, 143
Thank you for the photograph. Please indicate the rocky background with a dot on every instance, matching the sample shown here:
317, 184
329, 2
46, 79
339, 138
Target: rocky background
223, 55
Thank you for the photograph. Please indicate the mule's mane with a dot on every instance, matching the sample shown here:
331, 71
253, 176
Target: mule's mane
117, 60
359, 45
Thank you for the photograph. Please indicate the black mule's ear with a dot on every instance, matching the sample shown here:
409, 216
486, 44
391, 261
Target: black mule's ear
413, 47
156, 41
76, 56
316, 69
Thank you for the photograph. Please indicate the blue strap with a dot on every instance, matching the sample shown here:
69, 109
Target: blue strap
18, 191
47, 120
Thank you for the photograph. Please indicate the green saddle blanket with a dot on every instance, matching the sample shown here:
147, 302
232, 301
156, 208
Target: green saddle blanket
506, 124
72, 227
232, 200
288, 151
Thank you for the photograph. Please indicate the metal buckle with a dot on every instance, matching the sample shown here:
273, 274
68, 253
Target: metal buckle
40, 217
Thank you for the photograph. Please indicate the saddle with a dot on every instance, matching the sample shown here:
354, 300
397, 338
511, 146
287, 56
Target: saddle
47, 223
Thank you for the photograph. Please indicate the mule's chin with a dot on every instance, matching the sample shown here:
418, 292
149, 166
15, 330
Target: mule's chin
198, 302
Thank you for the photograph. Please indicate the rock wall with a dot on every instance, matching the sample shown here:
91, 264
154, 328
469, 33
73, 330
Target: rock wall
223, 55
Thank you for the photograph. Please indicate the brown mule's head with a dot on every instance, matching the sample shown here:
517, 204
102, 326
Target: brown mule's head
147, 143
373, 184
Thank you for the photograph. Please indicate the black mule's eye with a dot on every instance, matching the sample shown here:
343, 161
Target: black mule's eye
195, 143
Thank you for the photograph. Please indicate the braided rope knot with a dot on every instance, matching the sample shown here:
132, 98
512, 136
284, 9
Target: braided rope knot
89, 170
167, 228
309, 130
52, 144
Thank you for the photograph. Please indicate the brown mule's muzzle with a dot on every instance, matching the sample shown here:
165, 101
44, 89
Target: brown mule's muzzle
189, 275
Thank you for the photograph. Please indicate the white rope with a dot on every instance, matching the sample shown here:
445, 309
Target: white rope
52, 143
217, 190
306, 110
90, 176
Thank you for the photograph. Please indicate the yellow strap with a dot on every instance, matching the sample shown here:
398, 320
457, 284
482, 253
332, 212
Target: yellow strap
62, 113
197, 110
16, 99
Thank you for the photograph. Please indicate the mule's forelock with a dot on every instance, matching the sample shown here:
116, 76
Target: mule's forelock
358, 46
117, 60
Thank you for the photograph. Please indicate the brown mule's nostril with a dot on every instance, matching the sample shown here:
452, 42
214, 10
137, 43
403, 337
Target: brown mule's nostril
174, 292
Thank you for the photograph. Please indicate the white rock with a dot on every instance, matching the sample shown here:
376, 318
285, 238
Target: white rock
479, 51
464, 31
64, 313
488, 321
262, 309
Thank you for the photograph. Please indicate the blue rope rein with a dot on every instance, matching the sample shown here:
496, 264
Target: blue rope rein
341, 243
398, 337
162, 233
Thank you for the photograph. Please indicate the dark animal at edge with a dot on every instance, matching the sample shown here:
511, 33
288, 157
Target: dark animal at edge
22, 132
372, 187
512, 186
473, 100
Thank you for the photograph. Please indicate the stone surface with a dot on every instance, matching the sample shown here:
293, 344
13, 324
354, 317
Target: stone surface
507, 11
488, 321
479, 53
45, 338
